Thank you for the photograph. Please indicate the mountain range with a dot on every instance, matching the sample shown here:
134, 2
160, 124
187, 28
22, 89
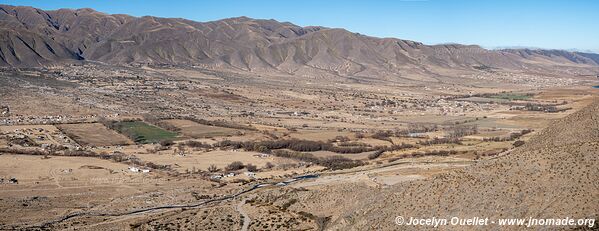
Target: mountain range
31, 37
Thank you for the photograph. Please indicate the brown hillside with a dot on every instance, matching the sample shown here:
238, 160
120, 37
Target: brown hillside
554, 176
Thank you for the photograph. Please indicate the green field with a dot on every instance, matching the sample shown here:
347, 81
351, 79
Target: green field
144, 133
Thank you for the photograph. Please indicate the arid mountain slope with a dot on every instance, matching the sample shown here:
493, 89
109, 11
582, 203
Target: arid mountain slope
554, 175
33, 37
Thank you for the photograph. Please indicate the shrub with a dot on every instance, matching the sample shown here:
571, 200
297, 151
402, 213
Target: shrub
518, 143
359, 135
166, 143
213, 168
375, 154
269, 165
251, 167
382, 135
234, 166
196, 144
263, 149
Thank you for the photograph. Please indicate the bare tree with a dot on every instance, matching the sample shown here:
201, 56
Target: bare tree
213, 168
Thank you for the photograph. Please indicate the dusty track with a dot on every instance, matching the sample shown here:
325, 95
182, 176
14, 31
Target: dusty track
246, 217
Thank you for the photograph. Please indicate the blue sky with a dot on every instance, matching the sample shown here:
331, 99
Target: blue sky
556, 24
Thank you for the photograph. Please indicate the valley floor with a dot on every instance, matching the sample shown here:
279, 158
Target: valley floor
103, 148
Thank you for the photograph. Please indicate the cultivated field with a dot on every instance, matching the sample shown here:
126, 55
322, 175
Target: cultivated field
142, 132
94, 134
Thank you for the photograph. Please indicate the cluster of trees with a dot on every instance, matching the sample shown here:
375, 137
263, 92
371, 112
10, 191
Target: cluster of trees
293, 144
300, 146
545, 108
350, 149
236, 166
513, 136
416, 128
437, 140
383, 135
332, 162
396, 147
489, 95
309, 146
458, 131
433, 153
490, 153
453, 132
197, 144
352, 144
386, 134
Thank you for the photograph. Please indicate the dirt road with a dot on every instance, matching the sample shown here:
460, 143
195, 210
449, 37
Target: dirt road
246, 218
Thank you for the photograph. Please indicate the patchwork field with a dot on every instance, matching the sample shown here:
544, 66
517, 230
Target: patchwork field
94, 134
